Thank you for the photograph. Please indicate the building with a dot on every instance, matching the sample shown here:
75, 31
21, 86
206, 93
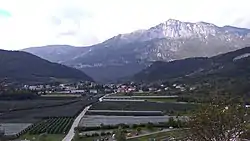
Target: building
93, 91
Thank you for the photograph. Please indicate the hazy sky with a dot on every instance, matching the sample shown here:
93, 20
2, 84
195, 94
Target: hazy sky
26, 23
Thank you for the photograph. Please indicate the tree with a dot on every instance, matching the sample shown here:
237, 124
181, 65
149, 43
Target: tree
138, 129
120, 134
219, 120
150, 126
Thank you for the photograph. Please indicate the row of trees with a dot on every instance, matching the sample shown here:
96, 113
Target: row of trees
52, 126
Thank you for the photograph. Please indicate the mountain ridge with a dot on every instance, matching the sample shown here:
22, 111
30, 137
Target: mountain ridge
167, 41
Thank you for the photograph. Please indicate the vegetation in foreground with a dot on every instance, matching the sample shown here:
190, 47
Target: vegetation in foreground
170, 135
221, 120
43, 137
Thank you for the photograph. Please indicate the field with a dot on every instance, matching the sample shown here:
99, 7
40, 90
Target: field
34, 110
52, 126
144, 135
13, 128
142, 97
160, 136
166, 108
92, 121
50, 137
53, 115
173, 99
61, 95
18, 105
143, 94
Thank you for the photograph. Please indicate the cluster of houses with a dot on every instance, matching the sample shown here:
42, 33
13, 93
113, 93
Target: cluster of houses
130, 88
76, 88
91, 87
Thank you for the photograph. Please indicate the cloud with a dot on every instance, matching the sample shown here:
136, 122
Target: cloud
86, 22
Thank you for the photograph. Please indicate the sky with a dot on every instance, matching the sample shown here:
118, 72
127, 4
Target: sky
30, 23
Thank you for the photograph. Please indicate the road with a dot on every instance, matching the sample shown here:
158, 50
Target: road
101, 98
71, 132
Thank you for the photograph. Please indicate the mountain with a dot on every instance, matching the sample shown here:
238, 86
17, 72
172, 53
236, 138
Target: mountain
18, 66
232, 65
127, 54
56, 53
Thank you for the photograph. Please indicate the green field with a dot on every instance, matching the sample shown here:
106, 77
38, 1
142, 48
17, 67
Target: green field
158, 136
143, 129
168, 108
47, 137
86, 139
161, 135
61, 95
141, 94
161, 99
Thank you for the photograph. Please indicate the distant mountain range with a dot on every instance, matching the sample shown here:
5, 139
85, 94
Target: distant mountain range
23, 67
233, 65
127, 54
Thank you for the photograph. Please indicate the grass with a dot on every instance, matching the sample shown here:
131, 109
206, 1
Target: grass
48, 137
167, 107
84, 138
161, 135
141, 94
161, 99
61, 95
87, 139
157, 136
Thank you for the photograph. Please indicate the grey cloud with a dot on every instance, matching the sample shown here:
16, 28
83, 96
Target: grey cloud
70, 13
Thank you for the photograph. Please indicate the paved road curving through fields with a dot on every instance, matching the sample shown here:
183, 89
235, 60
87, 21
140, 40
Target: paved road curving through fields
71, 132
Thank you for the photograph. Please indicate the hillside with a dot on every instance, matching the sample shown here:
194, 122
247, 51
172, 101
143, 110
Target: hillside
232, 65
24, 67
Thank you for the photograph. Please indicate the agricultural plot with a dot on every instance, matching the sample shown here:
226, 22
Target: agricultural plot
143, 94
17, 105
51, 115
163, 135
48, 137
14, 128
32, 115
52, 126
93, 121
35, 115
167, 108
124, 113
141, 97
